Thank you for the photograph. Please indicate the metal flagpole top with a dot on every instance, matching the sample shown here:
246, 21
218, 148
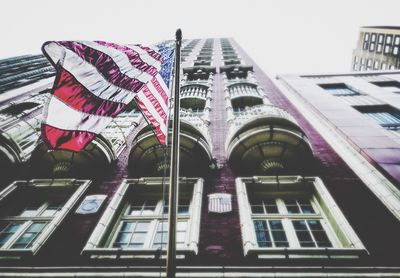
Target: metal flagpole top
178, 34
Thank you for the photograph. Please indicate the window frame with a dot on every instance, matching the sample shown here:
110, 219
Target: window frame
53, 222
100, 243
346, 243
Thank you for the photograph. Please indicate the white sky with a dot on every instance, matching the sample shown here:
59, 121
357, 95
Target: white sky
283, 36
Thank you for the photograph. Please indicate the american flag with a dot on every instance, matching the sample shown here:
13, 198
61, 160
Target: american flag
219, 202
96, 80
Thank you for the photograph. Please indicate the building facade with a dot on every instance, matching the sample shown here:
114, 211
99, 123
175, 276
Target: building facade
264, 191
377, 49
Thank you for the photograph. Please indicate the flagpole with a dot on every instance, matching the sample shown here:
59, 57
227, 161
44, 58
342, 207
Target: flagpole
174, 169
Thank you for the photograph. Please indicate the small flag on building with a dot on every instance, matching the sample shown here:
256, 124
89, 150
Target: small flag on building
219, 202
95, 81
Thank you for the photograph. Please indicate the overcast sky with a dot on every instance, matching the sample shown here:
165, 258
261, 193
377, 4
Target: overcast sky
283, 36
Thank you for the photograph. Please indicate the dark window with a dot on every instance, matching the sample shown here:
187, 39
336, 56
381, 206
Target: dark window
385, 115
372, 47
397, 40
339, 89
17, 109
391, 86
389, 39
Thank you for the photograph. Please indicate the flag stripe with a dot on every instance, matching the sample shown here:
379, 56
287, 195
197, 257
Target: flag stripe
151, 52
161, 89
87, 75
156, 94
60, 115
160, 126
75, 95
147, 101
105, 65
154, 103
138, 55
142, 72
145, 56
74, 140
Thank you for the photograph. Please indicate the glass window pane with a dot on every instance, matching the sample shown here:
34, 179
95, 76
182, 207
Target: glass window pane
149, 207
30, 212
122, 239
300, 225
28, 237
314, 225
321, 239
136, 208
36, 227
293, 209
24, 240
142, 226
306, 206
303, 234
51, 209
278, 233
257, 209
8, 231
270, 206
128, 226
138, 238
262, 233
275, 225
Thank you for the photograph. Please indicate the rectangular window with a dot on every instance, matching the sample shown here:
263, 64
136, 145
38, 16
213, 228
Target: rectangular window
387, 49
25, 223
388, 39
22, 228
380, 38
372, 47
366, 37
395, 50
271, 232
384, 115
390, 86
379, 48
339, 89
397, 40
138, 226
373, 37
310, 233
287, 218
376, 65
